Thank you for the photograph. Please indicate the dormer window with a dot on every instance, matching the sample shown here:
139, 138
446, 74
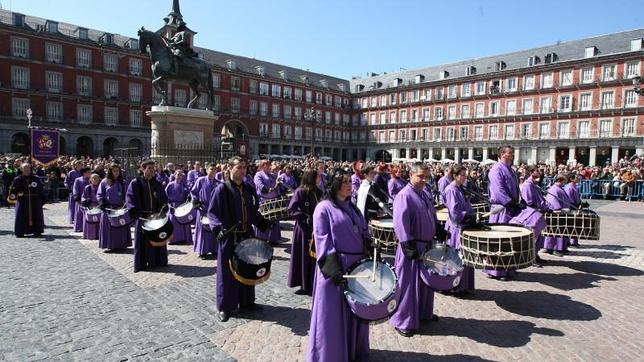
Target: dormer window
590, 52
443, 74
636, 44
419, 78
533, 60
396, 82
232, 65
551, 58
324, 83
377, 85
52, 26
500, 65
107, 38
359, 87
132, 44
260, 70
341, 86
82, 34
18, 20
304, 79
283, 74
470, 70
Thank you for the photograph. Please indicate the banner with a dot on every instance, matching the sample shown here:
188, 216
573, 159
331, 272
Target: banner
44, 145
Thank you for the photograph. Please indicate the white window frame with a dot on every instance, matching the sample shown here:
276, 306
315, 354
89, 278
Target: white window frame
511, 111
509, 87
493, 135
54, 111
560, 103
580, 129
528, 82
54, 53
136, 67
111, 116
543, 136
590, 70
84, 113
581, 101
632, 129
19, 107
54, 81
508, 135
20, 77
83, 58
547, 80
84, 85
19, 47
563, 133
111, 88
603, 133
631, 69
566, 78
136, 118
110, 62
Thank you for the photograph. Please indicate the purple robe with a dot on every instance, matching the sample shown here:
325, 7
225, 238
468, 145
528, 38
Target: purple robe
302, 265
204, 241
394, 186
575, 200
79, 187
458, 208
113, 197
191, 179
503, 189
336, 334
382, 180
264, 180
322, 184
443, 182
414, 219
532, 215
90, 230
557, 199
71, 205
355, 186
177, 195
222, 216
144, 198
288, 181
30, 195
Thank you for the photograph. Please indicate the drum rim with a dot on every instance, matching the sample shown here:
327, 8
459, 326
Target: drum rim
377, 222
266, 243
161, 218
112, 214
182, 205
250, 282
392, 293
97, 211
431, 272
503, 224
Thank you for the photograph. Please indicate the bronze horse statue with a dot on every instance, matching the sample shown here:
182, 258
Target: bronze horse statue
194, 71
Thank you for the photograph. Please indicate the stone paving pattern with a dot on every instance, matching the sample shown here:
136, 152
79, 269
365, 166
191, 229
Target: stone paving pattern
61, 298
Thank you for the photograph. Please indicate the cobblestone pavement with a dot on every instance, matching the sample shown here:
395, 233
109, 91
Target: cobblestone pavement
61, 298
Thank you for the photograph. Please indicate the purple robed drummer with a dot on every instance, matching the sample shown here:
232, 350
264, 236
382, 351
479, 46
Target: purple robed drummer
461, 214
144, 198
532, 215
111, 195
194, 175
267, 188
557, 200
340, 233
396, 183
77, 192
287, 179
231, 213
415, 226
443, 182
201, 192
69, 183
178, 195
28, 191
89, 200
575, 199
503, 191
300, 208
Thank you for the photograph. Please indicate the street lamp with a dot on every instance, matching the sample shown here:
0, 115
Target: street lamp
311, 116
29, 115
637, 83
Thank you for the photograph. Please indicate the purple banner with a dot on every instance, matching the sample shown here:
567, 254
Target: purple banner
44, 145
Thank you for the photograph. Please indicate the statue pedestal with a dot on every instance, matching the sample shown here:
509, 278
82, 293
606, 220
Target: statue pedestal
181, 134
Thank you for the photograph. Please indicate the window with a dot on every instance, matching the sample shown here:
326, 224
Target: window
252, 107
636, 44
466, 90
338, 101
276, 131
54, 53
327, 117
54, 82
545, 105
298, 94
526, 130
298, 113
287, 92
84, 113
276, 90
235, 84
392, 117
216, 102
565, 103
309, 133
494, 132
111, 88
494, 108
463, 133
328, 100
19, 107
263, 130
480, 88
235, 104
179, 98
605, 127
438, 113
630, 98
136, 66
508, 132
607, 100
110, 63
83, 58
511, 84
465, 111
111, 116
528, 106
136, 92
287, 131
298, 133
383, 100
18, 20
318, 97
19, 47
275, 110
287, 111
20, 77
546, 80
403, 97
590, 52
608, 72
263, 88
478, 133
374, 101
135, 118
308, 95
82, 34
451, 134
583, 127
479, 110
403, 135
451, 91
403, 116
511, 107
563, 129
544, 130
632, 69
528, 82
451, 112
565, 79
437, 134
392, 98
586, 101
253, 85
628, 127
54, 111
587, 75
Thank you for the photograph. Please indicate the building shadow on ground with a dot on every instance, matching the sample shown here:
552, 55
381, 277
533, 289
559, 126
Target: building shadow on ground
402, 356
595, 267
186, 271
296, 319
609, 247
566, 281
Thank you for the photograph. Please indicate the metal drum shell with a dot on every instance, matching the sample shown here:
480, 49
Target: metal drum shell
119, 218
247, 273
376, 310
580, 224
275, 209
92, 215
505, 247
382, 231
185, 213
157, 231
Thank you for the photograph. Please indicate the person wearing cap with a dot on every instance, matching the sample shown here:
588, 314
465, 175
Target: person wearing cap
27, 191
145, 198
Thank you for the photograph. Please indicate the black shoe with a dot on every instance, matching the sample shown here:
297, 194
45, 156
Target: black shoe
301, 292
404, 332
37, 235
504, 278
539, 260
549, 251
434, 318
203, 256
558, 253
20, 236
223, 316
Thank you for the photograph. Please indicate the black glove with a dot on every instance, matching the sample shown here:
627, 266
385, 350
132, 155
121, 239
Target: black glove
132, 213
441, 233
330, 267
469, 221
197, 204
77, 198
103, 206
439, 206
266, 225
585, 205
369, 246
409, 249
515, 205
85, 203
264, 190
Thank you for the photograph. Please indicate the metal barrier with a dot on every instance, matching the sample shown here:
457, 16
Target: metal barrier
610, 189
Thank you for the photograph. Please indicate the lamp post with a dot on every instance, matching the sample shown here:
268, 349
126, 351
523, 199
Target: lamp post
311, 116
637, 83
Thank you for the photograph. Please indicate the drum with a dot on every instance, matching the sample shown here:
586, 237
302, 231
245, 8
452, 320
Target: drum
368, 298
93, 215
205, 222
481, 207
382, 231
442, 267
158, 230
119, 218
275, 209
185, 213
251, 261
501, 248
442, 215
579, 224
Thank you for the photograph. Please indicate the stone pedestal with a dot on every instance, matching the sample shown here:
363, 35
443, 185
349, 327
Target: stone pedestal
181, 134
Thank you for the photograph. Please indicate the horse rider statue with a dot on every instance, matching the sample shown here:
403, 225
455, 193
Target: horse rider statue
179, 46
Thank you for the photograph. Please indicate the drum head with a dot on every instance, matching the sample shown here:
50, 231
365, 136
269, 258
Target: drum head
119, 212
442, 215
94, 211
383, 223
366, 291
154, 224
442, 259
183, 210
254, 251
499, 231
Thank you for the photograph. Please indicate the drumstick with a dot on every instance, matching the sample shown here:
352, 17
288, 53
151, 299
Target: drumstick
351, 276
375, 249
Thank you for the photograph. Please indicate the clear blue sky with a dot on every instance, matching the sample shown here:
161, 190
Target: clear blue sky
353, 37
